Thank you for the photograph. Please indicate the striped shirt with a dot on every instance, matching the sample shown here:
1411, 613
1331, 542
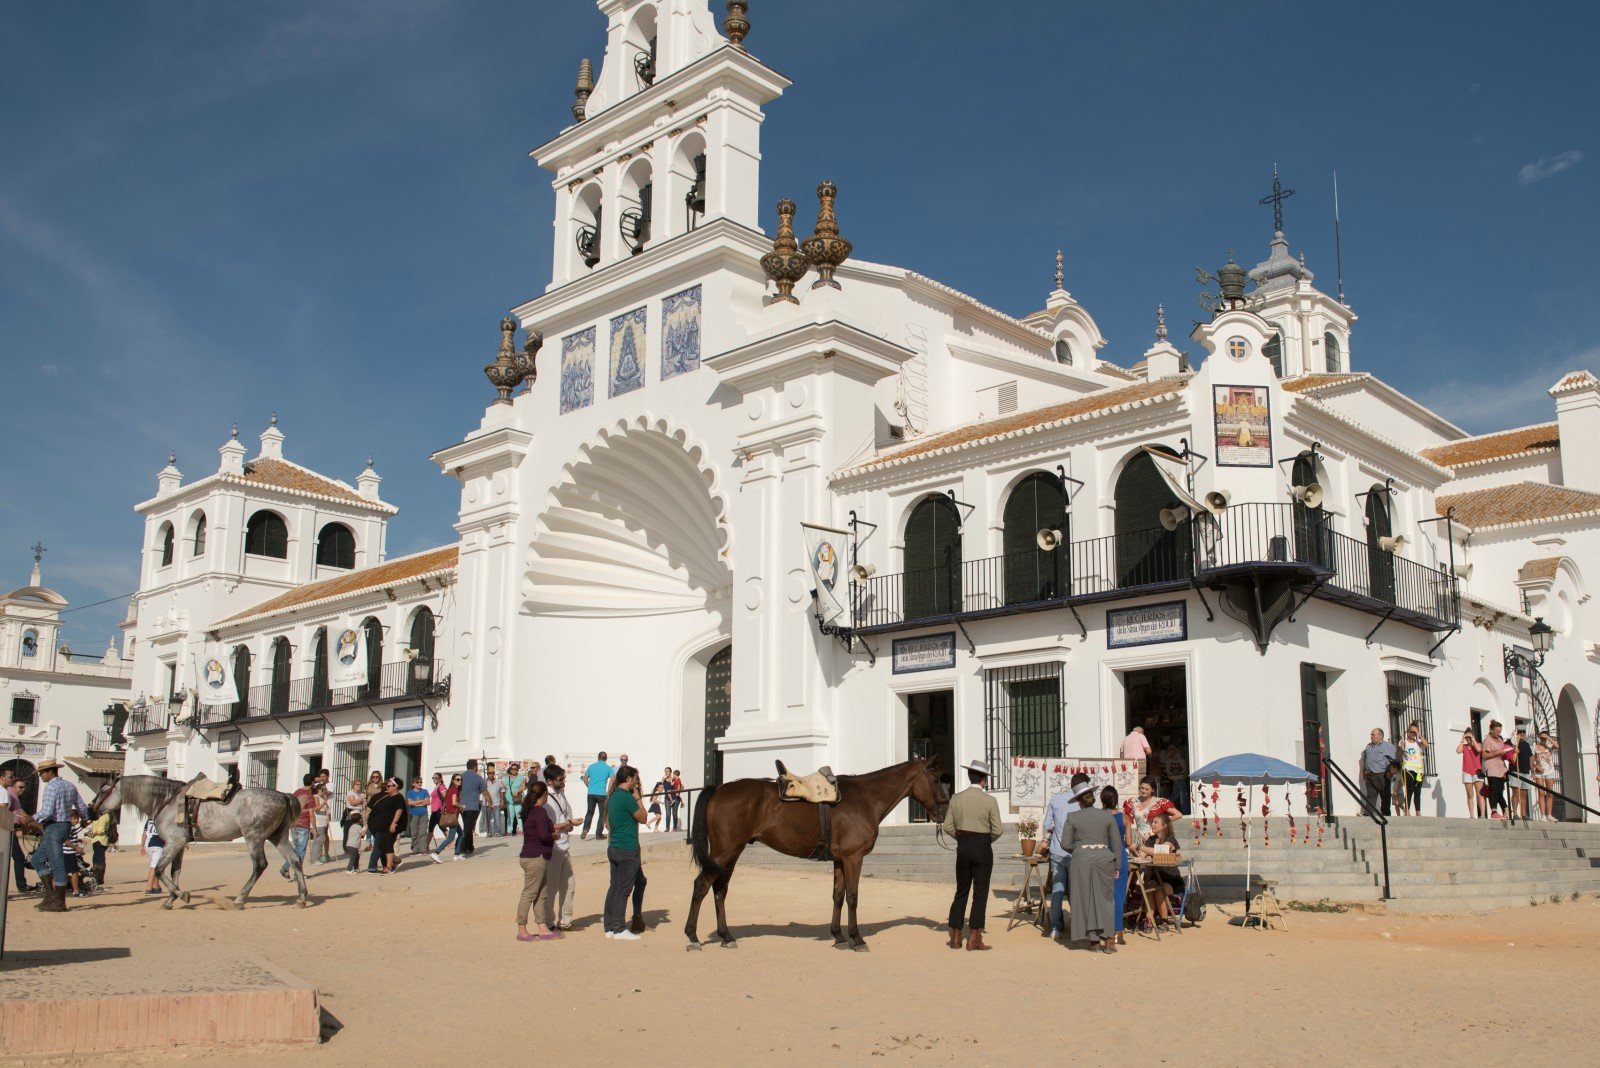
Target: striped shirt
58, 800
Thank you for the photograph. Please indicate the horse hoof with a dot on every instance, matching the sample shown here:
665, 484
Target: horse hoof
730, 943
304, 903
184, 897
692, 947
167, 904
859, 947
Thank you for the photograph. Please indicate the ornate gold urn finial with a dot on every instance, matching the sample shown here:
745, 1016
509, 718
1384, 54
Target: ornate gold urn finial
784, 264
1161, 324
585, 86
505, 372
736, 26
527, 363
825, 249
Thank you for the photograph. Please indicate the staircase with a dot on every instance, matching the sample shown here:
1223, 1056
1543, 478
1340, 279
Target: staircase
1435, 865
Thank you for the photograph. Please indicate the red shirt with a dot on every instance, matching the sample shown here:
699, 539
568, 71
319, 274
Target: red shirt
308, 805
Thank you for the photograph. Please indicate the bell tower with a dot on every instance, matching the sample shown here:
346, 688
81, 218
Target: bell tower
1310, 330
666, 137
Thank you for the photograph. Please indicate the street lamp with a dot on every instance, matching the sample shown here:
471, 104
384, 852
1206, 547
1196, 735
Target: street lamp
1543, 637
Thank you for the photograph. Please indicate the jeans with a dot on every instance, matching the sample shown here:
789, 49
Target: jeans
451, 834
513, 814
627, 875
469, 824
672, 814
1377, 791
494, 821
1058, 890
299, 839
597, 803
48, 857
974, 865
19, 863
561, 889
354, 856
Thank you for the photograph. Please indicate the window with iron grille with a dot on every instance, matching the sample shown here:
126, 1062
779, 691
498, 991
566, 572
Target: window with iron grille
23, 711
1411, 702
1024, 715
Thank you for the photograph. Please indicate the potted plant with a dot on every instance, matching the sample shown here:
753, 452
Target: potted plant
1027, 830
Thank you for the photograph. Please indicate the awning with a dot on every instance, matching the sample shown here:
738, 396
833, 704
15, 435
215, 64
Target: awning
1175, 473
95, 765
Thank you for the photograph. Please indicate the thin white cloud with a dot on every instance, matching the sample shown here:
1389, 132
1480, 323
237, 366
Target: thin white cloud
1482, 405
1548, 167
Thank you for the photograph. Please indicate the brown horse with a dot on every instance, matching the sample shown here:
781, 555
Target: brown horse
730, 817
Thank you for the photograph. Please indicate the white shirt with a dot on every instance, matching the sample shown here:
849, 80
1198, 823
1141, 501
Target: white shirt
556, 805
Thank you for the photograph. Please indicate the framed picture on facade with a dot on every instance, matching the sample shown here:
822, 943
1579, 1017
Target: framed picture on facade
930, 652
1148, 624
627, 352
1244, 426
680, 333
577, 370
407, 720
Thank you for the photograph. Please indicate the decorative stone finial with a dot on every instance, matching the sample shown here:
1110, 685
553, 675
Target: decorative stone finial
274, 420
1061, 277
528, 362
1161, 324
38, 555
581, 91
369, 460
825, 249
1231, 280
234, 434
784, 264
505, 372
736, 26
172, 457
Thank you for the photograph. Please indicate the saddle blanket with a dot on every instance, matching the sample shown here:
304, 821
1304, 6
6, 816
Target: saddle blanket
201, 788
818, 788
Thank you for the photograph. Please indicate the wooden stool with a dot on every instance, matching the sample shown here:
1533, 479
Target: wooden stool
1267, 908
1023, 908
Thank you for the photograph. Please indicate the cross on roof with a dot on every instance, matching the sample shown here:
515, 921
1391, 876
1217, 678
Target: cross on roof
1279, 195
38, 552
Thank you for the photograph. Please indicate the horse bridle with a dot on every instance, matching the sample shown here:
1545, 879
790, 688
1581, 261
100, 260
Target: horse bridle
103, 793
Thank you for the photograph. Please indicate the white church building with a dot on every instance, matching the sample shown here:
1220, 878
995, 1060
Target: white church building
765, 499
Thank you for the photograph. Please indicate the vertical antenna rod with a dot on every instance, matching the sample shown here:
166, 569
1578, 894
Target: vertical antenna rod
1338, 252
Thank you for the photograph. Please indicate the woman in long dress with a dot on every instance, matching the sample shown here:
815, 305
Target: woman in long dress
1090, 834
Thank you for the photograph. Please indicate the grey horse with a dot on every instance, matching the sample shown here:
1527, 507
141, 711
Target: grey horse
256, 815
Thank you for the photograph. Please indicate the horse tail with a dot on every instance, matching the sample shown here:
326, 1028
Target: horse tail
291, 813
700, 836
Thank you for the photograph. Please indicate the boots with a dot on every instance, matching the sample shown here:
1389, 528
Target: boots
955, 938
52, 898
976, 941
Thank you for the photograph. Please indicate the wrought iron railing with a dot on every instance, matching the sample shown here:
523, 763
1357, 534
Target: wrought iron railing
102, 742
395, 682
154, 716
1134, 562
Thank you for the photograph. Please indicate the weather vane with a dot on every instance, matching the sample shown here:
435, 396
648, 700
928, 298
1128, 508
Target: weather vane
1279, 195
38, 551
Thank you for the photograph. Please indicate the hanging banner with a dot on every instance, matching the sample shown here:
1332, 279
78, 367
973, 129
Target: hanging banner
825, 555
216, 681
1035, 780
348, 664
1174, 471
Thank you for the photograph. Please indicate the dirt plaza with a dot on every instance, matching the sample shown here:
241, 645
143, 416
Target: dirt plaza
422, 967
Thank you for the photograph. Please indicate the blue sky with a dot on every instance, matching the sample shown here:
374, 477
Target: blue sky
209, 211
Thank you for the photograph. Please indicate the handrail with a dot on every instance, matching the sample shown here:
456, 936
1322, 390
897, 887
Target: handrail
1368, 810
1553, 793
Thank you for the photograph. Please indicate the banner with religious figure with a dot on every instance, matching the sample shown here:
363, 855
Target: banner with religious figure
215, 684
347, 664
1035, 780
825, 555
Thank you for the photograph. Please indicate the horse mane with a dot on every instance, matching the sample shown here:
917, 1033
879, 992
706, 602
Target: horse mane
147, 792
881, 773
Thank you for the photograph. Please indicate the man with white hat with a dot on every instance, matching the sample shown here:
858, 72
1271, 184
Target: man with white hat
1061, 806
58, 800
973, 819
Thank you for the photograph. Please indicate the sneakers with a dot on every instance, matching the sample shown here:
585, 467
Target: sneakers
624, 936
458, 856
437, 859
610, 934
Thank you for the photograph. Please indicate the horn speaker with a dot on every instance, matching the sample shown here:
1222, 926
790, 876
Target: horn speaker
1048, 538
862, 572
1392, 545
1217, 501
1310, 496
1172, 518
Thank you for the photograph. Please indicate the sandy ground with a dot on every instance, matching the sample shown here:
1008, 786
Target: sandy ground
422, 967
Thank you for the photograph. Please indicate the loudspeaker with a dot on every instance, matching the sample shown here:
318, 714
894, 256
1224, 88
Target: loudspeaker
1172, 518
1463, 571
1310, 496
1048, 539
1392, 545
862, 572
1217, 501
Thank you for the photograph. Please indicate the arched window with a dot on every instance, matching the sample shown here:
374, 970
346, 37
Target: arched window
241, 682
374, 632
689, 178
1147, 552
1032, 573
321, 695
168, 540
1330, 354
30, 643
278, 699
420, 679
588, 221
266, 535
1063, 351
1273, 350
1380, 563
933, 559
636, 209
336, 546
1313, 533
197, 535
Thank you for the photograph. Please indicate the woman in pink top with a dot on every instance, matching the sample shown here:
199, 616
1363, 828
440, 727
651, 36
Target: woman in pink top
1471, 771
1495, 751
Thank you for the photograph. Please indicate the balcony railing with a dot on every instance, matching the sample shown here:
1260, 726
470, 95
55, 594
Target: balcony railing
152, 717
395, 682
1247, 538
100, 742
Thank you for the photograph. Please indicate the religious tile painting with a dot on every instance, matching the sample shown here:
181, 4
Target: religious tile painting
1244, 426
680, 333
577, 370
627, 352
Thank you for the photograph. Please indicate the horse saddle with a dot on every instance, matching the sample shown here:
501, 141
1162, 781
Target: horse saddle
819, 788
202, 790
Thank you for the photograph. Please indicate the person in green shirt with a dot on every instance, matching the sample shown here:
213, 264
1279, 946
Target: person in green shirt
624, 813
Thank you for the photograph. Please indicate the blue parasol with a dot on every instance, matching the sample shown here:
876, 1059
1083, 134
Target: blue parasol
1251, 770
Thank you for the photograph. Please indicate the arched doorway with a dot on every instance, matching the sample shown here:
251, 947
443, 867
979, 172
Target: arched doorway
1569, 742
933, 559
1380, 562
1313, 535
28, 796
719, 712
1146, 552
1032, 573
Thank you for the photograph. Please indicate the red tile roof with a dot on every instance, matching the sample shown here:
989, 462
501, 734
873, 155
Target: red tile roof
281, 474
1496, 446
1304, 383
388, 573
1535, 570
1519, 502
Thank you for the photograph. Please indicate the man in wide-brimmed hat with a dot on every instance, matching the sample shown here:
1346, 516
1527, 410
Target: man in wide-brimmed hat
1056, 812
973, 819
58, 800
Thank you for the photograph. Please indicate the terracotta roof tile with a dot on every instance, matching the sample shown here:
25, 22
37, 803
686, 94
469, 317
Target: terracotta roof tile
1535, 570
1519, 502
1574, 380
385, 574
1038, 417
96, 765
281, 474
1302, 383
1496, 446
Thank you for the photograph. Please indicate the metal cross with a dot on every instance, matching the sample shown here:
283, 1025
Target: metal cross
1279, 195
38, 552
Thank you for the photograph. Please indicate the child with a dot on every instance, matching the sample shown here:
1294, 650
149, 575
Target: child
154, 845
99, 839
72, 853
354, 833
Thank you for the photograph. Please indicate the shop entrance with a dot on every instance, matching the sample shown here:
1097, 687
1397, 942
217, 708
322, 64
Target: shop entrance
1157, 699
403, 762
931, 732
